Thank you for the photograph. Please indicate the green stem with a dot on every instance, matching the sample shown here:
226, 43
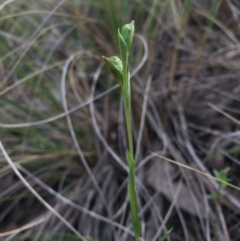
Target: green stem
130, 155
129, 130
127, 105
120, 70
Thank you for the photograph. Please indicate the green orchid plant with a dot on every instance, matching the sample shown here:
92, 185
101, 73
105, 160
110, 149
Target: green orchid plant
120, 70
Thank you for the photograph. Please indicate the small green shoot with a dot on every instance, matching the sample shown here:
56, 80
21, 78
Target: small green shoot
164, 237
222, 175
224, 182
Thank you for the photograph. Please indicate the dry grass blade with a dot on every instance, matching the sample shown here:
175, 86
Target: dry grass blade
74, 205
25, 227
5, 3
144, 109
64, 114
74, 137
197, 171
31, 76
37, 195
224, 113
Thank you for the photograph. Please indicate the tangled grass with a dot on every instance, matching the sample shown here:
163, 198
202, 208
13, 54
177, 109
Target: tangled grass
63, 132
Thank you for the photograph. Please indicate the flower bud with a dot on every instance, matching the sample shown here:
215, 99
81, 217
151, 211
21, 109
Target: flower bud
115, 66
128, 33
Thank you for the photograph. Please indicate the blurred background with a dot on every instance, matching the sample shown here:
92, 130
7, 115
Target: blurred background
62, 121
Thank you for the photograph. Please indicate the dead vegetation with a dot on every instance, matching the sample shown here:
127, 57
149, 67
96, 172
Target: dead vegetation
71, 149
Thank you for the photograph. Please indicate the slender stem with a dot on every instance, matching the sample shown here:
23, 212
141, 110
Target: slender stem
129, 126
124, 45
127, 106
131, 162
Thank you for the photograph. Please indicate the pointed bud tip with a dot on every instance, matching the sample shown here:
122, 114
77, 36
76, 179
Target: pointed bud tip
106, 59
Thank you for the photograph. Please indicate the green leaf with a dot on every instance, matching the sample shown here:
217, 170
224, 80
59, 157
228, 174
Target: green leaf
166, 235
123, 48
132, 192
